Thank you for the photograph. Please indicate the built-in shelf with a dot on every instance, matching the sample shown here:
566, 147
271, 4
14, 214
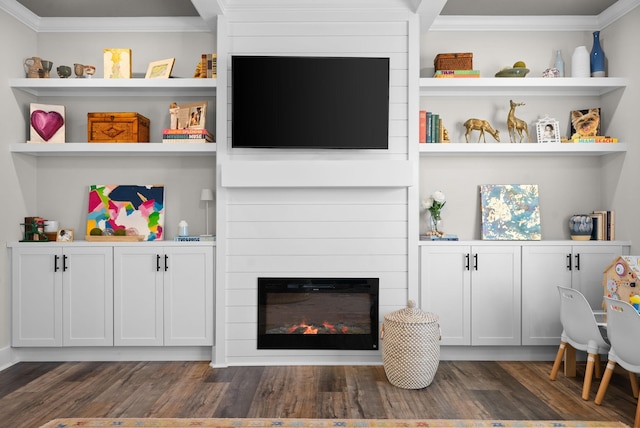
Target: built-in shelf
115, 149
529, 86
116, 87
523, 149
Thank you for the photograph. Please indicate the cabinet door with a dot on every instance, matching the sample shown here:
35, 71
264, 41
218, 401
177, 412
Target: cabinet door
589, 263
87, 290
445, 290
495, 295
37, 296
138, 296
188, 296
544, 268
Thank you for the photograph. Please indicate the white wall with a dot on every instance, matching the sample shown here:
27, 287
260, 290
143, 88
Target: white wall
16, 175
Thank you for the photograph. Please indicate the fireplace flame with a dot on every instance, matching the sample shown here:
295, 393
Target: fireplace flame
304, 328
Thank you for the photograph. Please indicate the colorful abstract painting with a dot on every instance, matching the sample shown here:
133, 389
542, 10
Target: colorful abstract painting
118, 206
510, 212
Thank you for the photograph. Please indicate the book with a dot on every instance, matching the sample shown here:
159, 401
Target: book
186, 133
606, 225
434, 128
439, 74
428, 130
596, 139
446, 237
422, 134
597, 233
186, 140
195, 238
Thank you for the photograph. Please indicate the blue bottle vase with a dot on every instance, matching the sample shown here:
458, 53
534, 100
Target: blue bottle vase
597, 57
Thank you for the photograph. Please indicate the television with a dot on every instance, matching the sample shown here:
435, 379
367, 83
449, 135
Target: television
306, 102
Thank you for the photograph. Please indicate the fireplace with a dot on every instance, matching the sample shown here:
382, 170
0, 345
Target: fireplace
318, 313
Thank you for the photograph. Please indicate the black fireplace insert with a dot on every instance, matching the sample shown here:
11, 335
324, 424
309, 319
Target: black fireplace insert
318, 313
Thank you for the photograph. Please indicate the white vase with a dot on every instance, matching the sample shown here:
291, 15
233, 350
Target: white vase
580, 62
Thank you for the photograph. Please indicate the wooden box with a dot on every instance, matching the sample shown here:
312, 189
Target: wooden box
454, 61
111, 127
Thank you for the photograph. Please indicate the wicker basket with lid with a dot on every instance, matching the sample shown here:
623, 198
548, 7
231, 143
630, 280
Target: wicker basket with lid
410, 347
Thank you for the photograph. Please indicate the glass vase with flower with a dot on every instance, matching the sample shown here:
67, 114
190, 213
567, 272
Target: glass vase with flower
433, 207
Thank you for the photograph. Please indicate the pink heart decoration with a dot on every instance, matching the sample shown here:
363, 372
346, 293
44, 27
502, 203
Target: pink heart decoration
46, 124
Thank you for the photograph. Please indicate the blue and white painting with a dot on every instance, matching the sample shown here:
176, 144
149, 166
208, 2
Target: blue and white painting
510, 212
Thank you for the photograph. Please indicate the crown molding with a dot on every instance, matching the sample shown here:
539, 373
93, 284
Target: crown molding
513, 23
182, 24
615, 12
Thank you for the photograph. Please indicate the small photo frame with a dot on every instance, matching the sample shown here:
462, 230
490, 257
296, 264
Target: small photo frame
548, 130
160, 69
192, 116
64, 235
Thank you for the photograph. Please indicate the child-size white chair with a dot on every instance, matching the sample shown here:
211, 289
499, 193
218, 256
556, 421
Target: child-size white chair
580, 329
623, 330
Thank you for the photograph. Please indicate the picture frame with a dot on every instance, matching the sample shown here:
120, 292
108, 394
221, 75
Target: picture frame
117, 63
192, 116
548, 130
160, 69
65, 235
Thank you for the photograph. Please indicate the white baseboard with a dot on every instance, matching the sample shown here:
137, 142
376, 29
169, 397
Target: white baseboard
7, 358
177, 353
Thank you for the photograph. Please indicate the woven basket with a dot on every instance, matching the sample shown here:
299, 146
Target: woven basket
410, 347
454, 61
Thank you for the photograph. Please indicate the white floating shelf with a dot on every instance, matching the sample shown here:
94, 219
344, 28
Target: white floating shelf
512, 86
116, 87
524, 149
115, 149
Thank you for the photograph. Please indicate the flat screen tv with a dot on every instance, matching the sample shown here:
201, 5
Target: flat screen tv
309, 102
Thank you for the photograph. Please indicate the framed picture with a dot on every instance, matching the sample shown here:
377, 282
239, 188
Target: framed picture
64, 235
548, 130
117, 63
585, 123
160, 69
192, 116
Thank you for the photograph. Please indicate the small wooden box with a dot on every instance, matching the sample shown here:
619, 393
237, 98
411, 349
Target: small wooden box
110, 127
454, 61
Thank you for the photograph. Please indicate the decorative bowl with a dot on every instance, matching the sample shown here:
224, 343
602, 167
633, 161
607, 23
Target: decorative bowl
513, 72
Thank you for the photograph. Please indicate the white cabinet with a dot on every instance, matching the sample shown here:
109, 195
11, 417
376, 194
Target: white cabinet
62, 296
163, 296
474, 290
544, 267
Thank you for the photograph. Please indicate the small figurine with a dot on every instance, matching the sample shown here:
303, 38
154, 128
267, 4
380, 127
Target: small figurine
482, 126
514, 124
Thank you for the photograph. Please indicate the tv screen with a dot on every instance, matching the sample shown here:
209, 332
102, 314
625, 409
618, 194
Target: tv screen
310, 102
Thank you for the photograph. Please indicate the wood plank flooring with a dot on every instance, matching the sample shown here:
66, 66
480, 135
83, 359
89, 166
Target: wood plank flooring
34, 393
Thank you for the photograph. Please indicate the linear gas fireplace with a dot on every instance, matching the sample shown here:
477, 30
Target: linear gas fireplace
318, 313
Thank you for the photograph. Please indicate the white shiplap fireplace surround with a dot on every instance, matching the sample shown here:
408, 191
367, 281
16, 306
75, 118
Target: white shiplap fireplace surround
320, 213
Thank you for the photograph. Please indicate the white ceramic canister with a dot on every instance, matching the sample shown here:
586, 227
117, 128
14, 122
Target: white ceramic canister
580, 62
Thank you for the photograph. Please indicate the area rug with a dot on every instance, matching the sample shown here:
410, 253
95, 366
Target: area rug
304, 423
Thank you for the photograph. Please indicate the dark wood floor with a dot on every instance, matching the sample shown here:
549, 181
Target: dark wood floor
34, 393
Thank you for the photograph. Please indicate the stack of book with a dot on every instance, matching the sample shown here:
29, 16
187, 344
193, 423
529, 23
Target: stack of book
208, 65
431, 129
190, 135
457, 74
596, 139
604, 226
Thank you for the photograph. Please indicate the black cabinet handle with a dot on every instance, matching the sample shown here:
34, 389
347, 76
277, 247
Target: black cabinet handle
157, 262
56, 258
568, 261
578, 261
475, 261
166, 263
466, 262
64, 263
